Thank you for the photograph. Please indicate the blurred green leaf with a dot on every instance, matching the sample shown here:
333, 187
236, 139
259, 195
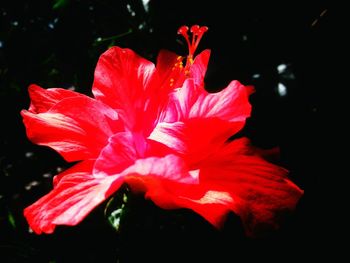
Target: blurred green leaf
11, 219
60, 4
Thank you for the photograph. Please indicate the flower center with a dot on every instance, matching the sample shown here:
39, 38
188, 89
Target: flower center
197, 33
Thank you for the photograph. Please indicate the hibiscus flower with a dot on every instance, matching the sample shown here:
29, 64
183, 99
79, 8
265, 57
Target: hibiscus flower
156, 129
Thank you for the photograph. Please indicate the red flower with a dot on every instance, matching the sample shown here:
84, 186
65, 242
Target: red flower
158, 130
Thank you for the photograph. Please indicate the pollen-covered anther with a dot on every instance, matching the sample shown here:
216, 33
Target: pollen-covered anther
178, 64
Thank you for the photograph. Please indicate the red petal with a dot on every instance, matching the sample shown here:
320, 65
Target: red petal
78, 127
230, 104
235, 180
199, 67
213, 205
44, 99
168, 183
170, 167
122, 81
196, 138
122, 151
74, 196
197, 122
166, 68
261, 190
119, 154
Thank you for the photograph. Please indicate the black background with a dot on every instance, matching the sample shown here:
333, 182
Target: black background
56, 44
